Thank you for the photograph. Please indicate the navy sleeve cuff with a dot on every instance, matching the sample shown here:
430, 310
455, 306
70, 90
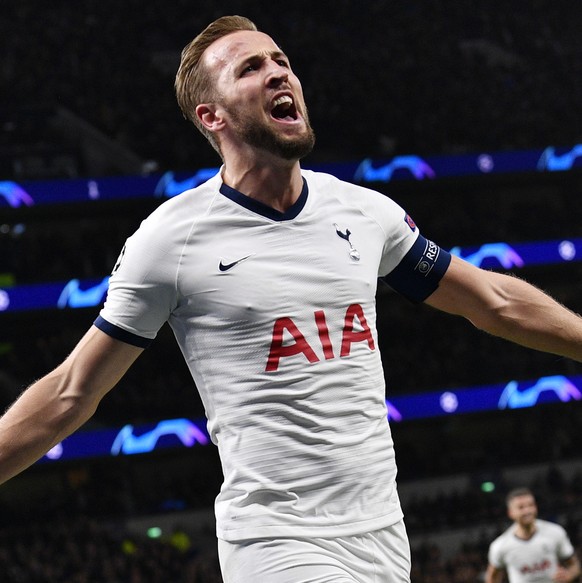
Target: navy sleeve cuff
420, 271
120, 334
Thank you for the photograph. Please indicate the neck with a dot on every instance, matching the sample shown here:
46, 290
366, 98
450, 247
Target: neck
276, 183
525, 531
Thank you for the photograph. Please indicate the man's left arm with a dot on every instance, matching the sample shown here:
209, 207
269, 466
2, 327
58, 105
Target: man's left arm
510, 308
568, 571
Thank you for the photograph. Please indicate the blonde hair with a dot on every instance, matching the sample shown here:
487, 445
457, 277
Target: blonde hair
193, 82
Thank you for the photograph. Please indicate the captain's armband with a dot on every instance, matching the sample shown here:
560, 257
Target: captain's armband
420, 271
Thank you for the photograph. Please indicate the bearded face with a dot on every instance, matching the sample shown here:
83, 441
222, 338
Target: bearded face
261, 134
259, 96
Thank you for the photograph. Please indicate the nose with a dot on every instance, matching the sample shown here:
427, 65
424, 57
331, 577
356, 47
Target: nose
276, 74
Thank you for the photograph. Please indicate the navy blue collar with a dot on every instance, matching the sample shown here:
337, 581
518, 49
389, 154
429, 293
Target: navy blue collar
263, 209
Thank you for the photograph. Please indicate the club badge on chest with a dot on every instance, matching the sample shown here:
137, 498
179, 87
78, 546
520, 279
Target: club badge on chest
354, 253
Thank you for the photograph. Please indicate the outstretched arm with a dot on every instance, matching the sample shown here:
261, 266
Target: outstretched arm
510, 308
59, 403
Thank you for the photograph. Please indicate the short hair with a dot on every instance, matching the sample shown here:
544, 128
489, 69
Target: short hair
516, 492
193, 84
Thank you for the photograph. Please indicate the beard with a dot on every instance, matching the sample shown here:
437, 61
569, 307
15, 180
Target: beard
260, 135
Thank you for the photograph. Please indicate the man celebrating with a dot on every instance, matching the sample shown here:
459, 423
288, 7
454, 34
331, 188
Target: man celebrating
531, 550
267, 275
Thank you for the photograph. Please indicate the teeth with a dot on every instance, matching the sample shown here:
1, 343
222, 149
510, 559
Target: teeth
285, 99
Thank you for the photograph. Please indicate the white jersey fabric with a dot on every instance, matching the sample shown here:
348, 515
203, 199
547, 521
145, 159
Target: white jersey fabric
534, 560
275, 316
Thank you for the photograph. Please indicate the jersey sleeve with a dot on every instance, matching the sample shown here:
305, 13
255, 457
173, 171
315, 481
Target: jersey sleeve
413, 265
495, 555
142, 288
410, 264
565, 548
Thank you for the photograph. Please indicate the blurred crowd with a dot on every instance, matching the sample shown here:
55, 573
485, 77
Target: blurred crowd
87, 551
93, 546
379, 78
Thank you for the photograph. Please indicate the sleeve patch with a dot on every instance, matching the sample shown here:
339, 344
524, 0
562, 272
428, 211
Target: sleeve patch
410, 222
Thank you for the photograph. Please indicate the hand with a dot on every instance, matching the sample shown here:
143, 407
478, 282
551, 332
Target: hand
561, 575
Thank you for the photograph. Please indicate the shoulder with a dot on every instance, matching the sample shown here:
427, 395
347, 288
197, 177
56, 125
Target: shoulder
325, 181
161, 236
503, 539
190, 203
550, 528
174, 218
359, 198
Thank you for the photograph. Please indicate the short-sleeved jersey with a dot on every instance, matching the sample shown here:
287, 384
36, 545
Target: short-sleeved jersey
275, 316
534, 560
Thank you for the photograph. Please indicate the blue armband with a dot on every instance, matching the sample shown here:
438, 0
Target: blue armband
420, 271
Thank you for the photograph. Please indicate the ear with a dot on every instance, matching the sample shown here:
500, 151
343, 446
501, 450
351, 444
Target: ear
210, 116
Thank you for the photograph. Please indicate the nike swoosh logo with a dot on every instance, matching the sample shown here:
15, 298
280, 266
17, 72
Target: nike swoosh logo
226, 266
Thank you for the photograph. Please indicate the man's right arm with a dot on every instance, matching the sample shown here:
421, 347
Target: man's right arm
59, 403
493, 574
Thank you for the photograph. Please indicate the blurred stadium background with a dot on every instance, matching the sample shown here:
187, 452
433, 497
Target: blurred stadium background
467, 114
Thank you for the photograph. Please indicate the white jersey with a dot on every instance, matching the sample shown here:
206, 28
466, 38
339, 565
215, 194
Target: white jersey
534, 560
275, 316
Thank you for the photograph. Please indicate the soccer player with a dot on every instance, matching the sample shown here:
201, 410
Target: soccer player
531, 549
267, 275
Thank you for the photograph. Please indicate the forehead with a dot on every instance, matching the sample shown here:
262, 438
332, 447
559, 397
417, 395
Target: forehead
228, 51
522, 500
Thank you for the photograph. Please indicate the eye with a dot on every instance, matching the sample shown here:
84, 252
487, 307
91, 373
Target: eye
249, 69
282, 63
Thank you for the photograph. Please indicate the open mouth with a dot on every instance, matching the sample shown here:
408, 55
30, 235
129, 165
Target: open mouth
284, 109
